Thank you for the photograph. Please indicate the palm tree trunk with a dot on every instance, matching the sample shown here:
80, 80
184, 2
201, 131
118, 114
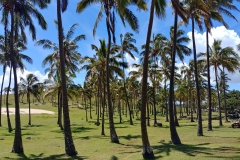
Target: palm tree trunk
219, 103
147, 151
209, 87
69, 145
7, 108
90, 103
199, 130
85, 104
173, 131
60, 112
154, 107
166, 104
4, 72
58, 105
103, 108
17, 144
148, 115
224, 95
119, 111
125, 91
98, 104
175, 113
113, 133
29, 109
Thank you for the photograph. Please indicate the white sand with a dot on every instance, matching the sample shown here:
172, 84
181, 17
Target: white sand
25, 111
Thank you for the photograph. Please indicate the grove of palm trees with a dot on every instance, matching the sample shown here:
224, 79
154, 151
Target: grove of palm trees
147, 80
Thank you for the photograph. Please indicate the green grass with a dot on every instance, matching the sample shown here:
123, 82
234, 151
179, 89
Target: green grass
44, 139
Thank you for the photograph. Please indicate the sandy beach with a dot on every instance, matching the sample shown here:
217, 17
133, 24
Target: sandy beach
25, 111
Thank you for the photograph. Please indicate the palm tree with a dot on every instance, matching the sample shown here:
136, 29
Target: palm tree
71, 55
158, 7
127, 46
225, 57
20, 10
195, 9
30, 84
71, 58
110, 7
216, 8
96, 67
19, 46
69, 145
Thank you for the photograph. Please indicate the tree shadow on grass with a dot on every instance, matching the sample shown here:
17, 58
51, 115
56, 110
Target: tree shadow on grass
118, 126
90, 137
81, 129
129, 137
33, 125
22, 156
30, 134
193, 150
114, 158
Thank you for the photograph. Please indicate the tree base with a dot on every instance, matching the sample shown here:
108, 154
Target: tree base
199, 134
148, 155
115, 141
18, 150
71, 153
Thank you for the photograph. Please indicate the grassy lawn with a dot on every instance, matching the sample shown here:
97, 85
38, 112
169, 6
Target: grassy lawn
44, 139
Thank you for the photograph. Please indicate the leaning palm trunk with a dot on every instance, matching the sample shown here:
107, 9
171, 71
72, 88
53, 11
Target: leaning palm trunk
147, 150
17, 144
69, 145
209, 88
113, 133
219, 103
174, 135
199, 130
7, 108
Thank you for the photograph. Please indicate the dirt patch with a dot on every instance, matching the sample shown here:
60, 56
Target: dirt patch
25, 111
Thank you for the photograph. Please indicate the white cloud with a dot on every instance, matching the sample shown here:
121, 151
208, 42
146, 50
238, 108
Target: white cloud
228, 37
37, 73
130, 62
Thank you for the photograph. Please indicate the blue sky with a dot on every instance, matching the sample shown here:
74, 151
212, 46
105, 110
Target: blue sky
85, 20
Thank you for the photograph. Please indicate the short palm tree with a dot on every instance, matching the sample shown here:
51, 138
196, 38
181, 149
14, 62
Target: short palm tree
30, 84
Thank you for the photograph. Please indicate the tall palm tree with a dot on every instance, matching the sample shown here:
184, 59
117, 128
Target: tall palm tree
158, 8
20, 10
30, 84
127, 46
110, 7
69, 145
221, 57
216, 8
195, 9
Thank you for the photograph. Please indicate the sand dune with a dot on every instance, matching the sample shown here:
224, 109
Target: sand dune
25, 111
